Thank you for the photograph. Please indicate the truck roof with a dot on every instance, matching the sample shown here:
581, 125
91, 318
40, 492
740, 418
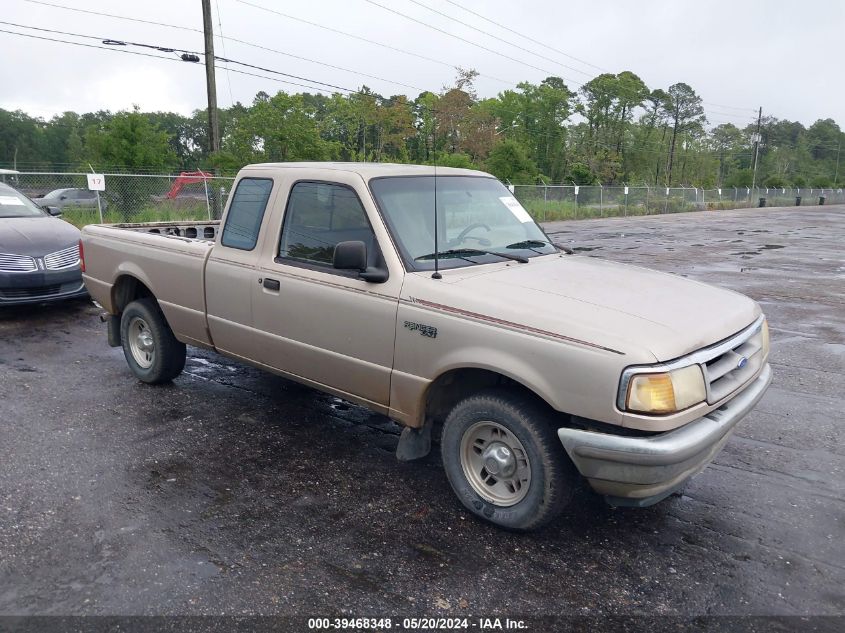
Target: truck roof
373, 170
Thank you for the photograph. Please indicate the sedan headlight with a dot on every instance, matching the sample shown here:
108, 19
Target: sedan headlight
666, 392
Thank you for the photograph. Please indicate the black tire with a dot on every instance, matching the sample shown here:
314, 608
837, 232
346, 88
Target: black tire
553, 477
168, 358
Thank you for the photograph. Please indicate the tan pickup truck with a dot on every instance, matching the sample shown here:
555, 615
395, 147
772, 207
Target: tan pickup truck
433, 298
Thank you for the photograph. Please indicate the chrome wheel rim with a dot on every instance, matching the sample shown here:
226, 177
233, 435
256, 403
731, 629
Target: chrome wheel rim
141, 342
495, 463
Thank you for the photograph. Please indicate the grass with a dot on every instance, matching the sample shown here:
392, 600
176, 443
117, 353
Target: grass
550, 211
164, 212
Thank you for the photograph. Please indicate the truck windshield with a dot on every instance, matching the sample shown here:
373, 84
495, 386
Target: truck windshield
477, 218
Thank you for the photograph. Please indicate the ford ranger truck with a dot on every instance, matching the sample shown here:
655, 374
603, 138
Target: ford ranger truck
433, 298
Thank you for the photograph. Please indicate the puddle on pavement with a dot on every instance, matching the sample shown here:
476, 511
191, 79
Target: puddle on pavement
771, 246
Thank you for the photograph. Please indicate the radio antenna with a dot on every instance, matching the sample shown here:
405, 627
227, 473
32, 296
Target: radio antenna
436, 274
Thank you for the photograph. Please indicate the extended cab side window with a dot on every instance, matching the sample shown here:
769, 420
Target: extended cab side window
246, 212
319, 215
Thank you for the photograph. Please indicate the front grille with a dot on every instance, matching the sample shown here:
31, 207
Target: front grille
723, 374
31, 293
65, 258
17, 263
40, 292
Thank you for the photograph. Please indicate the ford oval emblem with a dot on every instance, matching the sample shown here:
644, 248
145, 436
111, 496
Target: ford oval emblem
742, 362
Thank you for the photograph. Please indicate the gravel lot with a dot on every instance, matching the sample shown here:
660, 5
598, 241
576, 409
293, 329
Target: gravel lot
237, 492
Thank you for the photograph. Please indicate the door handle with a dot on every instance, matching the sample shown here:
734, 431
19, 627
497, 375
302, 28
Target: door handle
271, 284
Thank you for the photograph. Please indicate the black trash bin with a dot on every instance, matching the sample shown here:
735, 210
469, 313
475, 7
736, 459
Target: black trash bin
761, 203
821, 199
797, 201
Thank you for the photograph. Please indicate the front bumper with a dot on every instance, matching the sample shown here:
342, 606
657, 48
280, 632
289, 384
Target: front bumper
640, 471
41, 286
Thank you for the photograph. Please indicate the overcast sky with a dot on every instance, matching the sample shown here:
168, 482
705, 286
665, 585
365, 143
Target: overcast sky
737, 54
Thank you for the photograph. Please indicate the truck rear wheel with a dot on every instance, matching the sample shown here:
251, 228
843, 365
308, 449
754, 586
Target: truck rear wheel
151, 350
505, 462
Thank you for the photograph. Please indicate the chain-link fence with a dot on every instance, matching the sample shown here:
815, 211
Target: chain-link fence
127, 197
202, 196
565, 202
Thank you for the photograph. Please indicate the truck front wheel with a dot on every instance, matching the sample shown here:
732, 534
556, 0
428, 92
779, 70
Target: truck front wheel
152, 352
504, 460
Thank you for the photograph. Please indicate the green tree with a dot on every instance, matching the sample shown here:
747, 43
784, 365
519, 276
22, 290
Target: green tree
276, 129
509, 162
129, 140
685, 113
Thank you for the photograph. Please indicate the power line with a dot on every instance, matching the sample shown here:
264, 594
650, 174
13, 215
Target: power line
167, 49
105, 48
230, 39
548, 46
488, 34
285, 81
128, 52
223, 46
481, 46
111, 15
368, 41
530, 39
731, 107
458, 37
314, 24
335, 67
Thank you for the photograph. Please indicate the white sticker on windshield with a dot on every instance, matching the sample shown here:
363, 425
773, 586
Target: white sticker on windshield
519, 212
11, 200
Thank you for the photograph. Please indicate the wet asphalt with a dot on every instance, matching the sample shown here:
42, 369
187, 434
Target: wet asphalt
233, 491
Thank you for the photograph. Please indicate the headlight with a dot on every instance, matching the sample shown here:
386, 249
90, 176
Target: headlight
666, 392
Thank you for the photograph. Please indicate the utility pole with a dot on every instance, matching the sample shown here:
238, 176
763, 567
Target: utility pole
210, 82
756, 148
835, 175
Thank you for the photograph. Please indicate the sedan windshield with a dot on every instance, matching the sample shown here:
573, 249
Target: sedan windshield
14, 204
478, 220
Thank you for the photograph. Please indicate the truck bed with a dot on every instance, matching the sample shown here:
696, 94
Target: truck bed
167, 257
198, 230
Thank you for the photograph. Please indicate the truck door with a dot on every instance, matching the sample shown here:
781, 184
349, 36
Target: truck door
325, 325
230, 271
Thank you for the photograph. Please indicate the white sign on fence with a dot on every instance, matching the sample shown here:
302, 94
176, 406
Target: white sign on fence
626, 191
96, 182
720, 192
576, 189
667, 191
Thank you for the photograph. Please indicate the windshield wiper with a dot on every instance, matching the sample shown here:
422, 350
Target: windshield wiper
532, 244
473, 251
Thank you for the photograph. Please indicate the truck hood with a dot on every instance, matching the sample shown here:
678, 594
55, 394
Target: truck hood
36, 236
648, 315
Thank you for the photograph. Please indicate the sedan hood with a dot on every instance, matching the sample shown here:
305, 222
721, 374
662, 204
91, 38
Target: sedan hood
36, 236
642, 313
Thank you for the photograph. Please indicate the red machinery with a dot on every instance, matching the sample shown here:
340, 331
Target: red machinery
187, 178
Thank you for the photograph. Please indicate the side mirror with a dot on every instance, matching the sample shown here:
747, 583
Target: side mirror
352, 255
62, 197
55, 211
